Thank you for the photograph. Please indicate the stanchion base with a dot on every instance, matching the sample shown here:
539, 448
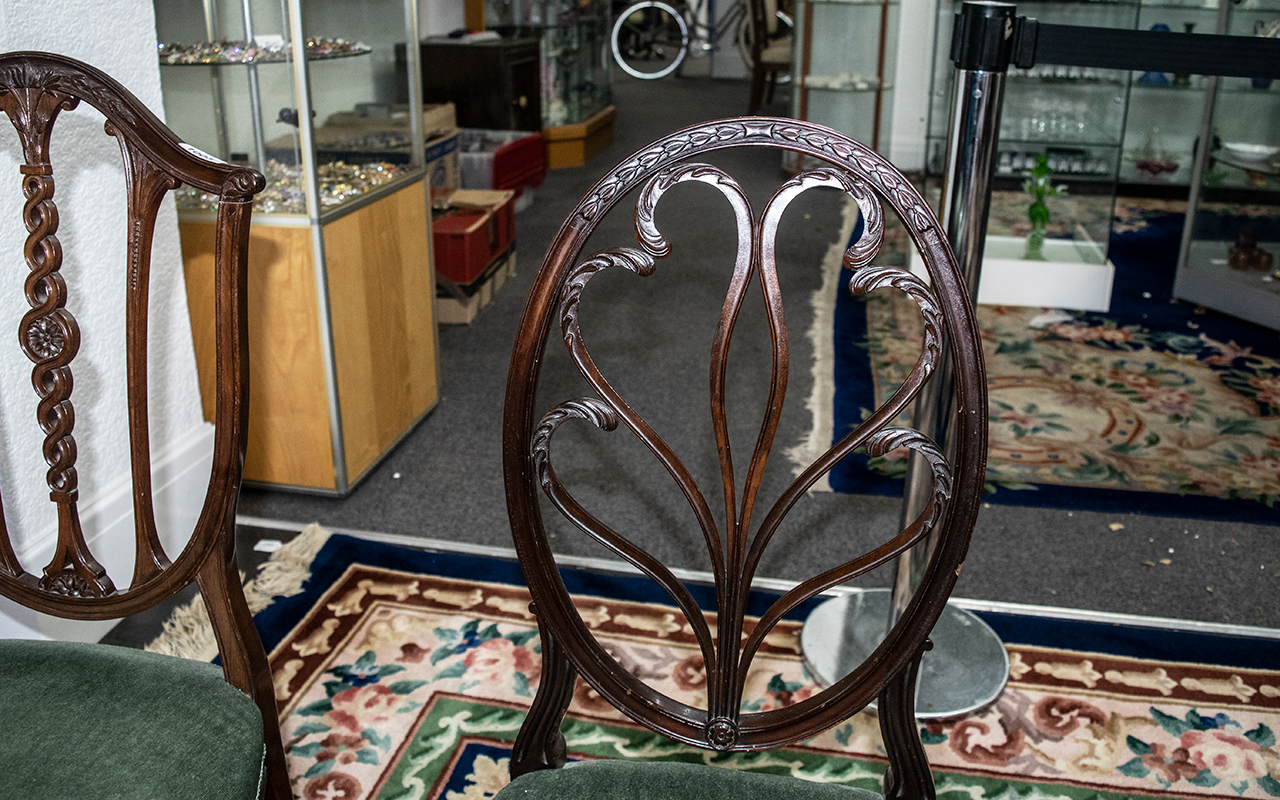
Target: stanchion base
966, 669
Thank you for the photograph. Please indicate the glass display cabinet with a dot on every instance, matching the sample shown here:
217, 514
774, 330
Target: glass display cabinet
341, 325
1231, 240
574, 74
1061, 142
575, 61
843, 47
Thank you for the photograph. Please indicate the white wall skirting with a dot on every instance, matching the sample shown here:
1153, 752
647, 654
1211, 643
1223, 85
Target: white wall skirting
179, 481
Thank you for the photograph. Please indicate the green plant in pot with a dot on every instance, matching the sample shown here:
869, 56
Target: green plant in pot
1040, 189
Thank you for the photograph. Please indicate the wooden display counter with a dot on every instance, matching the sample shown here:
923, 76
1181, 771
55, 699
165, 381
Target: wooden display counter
575, 145
383, 377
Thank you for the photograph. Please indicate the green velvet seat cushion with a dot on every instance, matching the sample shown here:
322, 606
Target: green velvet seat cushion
94, 721
668, 780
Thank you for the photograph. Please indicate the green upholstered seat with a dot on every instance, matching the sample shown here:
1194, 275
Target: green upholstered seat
668, 780
95, 721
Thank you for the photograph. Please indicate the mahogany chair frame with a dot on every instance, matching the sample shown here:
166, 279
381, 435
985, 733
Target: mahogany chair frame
34, 89
568, 647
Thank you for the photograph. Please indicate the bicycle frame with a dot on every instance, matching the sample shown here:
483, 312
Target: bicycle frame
704, 38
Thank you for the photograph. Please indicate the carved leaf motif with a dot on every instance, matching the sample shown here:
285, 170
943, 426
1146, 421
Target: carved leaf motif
868, 279
638, 262
76, 85
588, 408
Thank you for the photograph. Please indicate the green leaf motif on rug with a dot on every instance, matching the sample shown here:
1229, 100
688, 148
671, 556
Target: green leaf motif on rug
1134, 768
1270, 785
1138, 746
452, 671
315, 709
1174, 726
1262, 736
932, 738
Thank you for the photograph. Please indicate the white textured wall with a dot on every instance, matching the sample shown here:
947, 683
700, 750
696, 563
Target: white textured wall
438, 17
117, 36
912, 71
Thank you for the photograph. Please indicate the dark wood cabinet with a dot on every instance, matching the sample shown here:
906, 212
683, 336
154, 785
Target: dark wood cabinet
493, 83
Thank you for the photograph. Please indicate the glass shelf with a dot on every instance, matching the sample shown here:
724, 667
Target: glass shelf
223, 52
836, 83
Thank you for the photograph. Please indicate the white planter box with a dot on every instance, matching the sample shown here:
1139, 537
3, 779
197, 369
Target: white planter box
1074, 275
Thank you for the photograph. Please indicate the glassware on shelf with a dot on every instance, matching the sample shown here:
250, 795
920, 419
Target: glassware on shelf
1151, 159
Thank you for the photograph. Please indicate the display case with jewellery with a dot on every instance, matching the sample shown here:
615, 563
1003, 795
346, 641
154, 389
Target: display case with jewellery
341, 325
1230, 255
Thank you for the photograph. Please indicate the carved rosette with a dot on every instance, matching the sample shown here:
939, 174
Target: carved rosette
722, 733
68, 584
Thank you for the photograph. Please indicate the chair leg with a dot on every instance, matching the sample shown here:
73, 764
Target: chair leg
757, 89
540, 744
908, 775
772, 84
244, 662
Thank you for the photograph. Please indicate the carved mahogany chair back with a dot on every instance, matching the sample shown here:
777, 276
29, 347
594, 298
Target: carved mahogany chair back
34, 89
727, 645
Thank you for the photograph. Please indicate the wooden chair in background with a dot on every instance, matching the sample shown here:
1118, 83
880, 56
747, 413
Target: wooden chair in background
87, 720
727, 643
770, 54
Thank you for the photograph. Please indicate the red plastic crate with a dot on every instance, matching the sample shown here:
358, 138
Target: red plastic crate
479, 228
501, 159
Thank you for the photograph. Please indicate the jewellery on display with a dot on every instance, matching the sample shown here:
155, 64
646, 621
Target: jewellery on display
338, 180
225, 51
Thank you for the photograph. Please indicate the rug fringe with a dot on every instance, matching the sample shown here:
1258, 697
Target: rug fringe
188, 634
821, 337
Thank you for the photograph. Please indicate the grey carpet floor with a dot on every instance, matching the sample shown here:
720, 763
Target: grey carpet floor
444, 480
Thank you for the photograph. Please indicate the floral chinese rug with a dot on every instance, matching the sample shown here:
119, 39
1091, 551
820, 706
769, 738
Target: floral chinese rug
404, 674
1155, 406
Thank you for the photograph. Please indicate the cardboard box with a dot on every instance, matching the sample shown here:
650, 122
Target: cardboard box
441, 161
461, 307
437, 118
381, 132
471, 231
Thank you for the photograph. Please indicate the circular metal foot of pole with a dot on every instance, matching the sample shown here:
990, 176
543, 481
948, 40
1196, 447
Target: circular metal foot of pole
966, 670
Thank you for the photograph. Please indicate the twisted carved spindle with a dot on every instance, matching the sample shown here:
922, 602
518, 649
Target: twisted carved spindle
50, 337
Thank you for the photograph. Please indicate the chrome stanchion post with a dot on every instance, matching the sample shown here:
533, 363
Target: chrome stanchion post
967, 667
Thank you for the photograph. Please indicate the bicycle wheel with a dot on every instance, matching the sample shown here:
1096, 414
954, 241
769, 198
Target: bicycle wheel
649, 39
744, 38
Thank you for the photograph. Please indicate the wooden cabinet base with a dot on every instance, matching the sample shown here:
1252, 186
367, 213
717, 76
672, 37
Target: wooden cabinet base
314, 425
575, 145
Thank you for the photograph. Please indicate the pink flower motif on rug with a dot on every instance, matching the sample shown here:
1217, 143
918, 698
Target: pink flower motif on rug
1227, 755
365, 707
498, 659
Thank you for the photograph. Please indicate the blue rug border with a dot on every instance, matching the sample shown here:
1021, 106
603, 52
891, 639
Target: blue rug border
1134, 641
